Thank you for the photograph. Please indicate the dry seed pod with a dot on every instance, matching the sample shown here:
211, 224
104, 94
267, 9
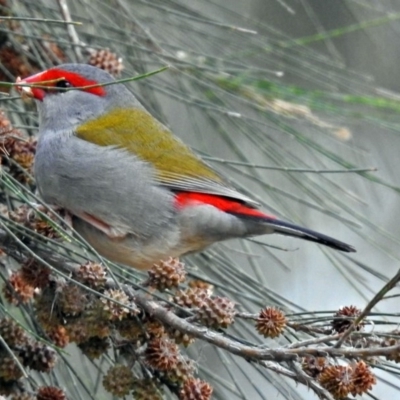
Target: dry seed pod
107, 61
91, 274
313, 366
217, 312
50, 393
59, 336
162, 354
9, 369
38, 357
343, 318
17, 290
271, 322
95, 347
191, 298
115, 311
35, 274
167, 274
363, 378
118, 380
195, 389
146, 389
12, 333
337, 379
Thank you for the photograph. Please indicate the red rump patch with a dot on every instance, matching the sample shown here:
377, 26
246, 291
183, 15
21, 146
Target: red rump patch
183, 199
73, 78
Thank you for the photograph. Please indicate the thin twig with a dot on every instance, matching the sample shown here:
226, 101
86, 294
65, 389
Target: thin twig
71, 29
288, 169
45, 20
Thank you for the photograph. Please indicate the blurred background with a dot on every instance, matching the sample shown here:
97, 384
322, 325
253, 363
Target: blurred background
296, 102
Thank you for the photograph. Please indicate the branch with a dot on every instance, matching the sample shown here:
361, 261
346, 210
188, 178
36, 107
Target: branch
375, 300
158, 310
166, 314
71, 29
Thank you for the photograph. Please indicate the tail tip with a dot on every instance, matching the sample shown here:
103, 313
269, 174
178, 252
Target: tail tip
286, 228
347, 248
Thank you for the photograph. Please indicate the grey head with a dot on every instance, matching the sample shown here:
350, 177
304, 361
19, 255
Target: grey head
61, 107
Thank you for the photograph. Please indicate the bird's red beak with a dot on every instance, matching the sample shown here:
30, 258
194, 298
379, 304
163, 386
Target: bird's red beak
26, 87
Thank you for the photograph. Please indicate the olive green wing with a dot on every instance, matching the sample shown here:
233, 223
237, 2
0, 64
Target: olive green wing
176, 166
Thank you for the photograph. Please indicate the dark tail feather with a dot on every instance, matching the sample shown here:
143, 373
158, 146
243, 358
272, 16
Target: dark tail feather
288, 229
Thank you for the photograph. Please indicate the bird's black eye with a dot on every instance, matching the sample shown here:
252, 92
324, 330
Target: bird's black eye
63, 83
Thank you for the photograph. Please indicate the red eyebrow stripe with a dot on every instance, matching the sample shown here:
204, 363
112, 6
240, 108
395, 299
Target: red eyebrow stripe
74, 79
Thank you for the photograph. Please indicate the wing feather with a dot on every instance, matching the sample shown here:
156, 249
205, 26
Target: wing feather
205, 186
177, 166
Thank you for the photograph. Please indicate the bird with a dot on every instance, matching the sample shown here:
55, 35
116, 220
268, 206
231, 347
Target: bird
135, 191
